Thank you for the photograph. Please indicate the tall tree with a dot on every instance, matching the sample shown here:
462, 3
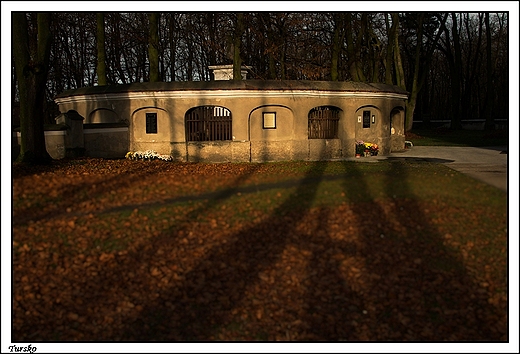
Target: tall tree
419, 58
488, 113
296, 46
353, 50
389, 59
398, 62
414, 92
337, 44
456, 78
453, 53
173, 40
153, 46
31, 60
101, 53
237, 45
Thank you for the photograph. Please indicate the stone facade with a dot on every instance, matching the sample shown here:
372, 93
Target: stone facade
265, 120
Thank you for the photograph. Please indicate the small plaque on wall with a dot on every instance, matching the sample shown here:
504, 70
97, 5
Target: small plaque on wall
269, 120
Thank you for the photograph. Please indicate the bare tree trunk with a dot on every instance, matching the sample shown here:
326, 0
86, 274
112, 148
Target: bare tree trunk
237, 45
210, 19
490, 122
173, 46
356, 71
337, 43
392, 33
100, 42
374, 50
412, 100
399, 71
31, 70
153, 46
456, 77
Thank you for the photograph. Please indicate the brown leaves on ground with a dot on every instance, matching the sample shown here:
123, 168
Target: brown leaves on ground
91, 262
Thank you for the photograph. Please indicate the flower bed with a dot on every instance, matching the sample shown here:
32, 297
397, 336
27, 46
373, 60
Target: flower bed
147, 155
366, 149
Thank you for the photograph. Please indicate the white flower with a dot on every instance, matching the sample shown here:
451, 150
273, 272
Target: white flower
148, 155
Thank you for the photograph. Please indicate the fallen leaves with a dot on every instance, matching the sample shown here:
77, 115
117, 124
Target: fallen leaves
110, 255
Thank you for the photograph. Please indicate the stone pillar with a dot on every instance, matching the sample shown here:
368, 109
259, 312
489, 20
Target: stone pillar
74, 142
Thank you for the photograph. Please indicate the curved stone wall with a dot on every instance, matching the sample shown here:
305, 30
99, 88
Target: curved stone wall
266, 120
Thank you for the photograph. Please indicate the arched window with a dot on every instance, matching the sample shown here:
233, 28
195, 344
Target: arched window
397, 120
323, 122
208, 123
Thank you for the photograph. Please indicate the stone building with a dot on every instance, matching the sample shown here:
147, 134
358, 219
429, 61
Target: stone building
221, 121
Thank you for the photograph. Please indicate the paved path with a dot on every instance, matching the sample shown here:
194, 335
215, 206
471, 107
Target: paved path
487, 164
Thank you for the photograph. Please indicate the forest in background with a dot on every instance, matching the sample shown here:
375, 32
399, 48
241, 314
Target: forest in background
443, 54
454, 65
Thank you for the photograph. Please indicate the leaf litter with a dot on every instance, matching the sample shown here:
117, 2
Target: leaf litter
93, 260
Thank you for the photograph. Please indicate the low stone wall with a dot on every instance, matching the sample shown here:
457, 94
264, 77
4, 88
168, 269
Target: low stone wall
106, 142
217, 151
260, 151
96, 141
55, 143
325, 149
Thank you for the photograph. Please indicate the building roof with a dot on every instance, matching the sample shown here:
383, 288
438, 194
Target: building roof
253, 85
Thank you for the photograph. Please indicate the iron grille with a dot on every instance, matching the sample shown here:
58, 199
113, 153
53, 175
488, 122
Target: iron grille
208, 123
323, 123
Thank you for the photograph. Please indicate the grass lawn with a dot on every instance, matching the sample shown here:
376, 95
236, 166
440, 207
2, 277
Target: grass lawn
447, 137
294, 251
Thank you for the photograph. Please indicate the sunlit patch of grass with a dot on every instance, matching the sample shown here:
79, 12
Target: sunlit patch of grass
447, 137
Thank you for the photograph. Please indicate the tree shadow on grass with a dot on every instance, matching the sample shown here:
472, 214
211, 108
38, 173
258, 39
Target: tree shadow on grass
205, 302
389, 278
420, 159
72, 195
91, 297
402, 283
373, 271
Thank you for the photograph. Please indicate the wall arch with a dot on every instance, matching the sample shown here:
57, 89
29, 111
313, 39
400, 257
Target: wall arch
368, 117
397, 131
369, 106
323, 122
151, 127
103, 115
271, 134
397, 120
261, 115
208, 123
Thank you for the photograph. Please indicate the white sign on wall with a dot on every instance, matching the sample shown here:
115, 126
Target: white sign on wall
269, 120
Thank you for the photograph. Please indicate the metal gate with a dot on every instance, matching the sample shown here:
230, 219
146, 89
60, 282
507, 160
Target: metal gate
323, 122
208, 123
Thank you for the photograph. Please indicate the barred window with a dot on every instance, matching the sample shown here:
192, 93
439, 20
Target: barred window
323, 122
151, 123
208, 123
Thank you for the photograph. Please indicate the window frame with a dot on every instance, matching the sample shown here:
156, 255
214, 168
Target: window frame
264, 114
151, 124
